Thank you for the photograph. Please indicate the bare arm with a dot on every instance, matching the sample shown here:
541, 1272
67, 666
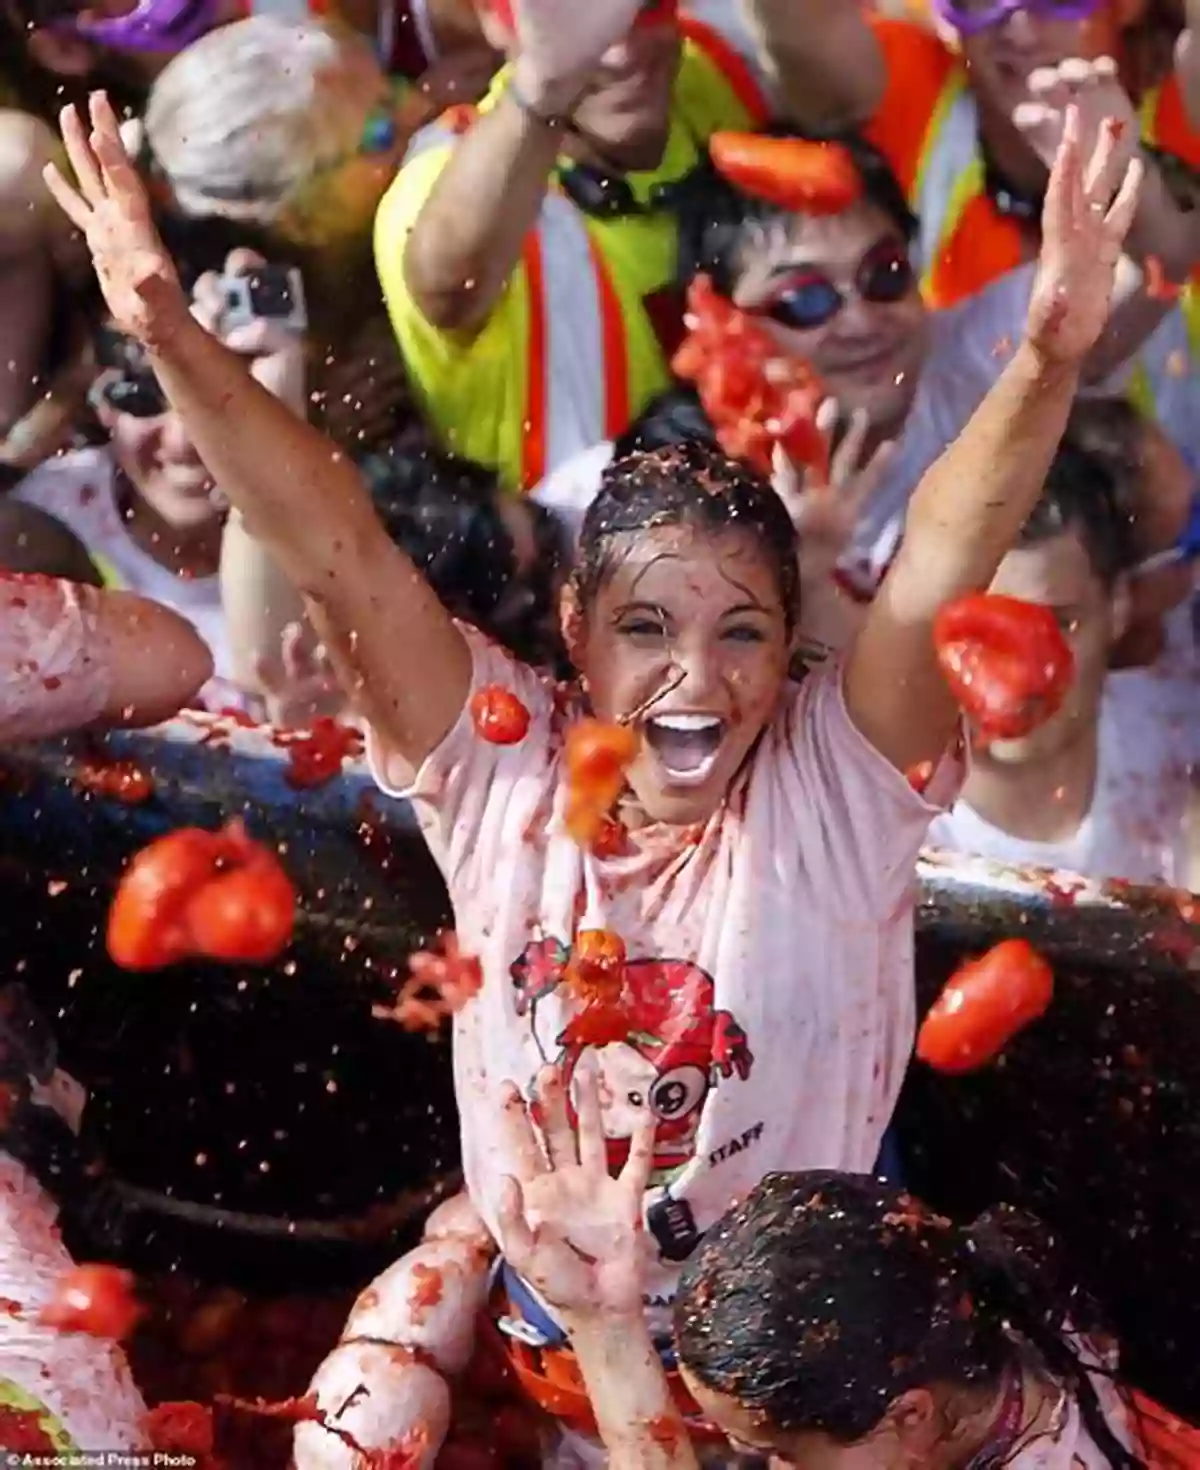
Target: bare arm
157, 660
635, 1413
73, 656
575, 1234
828, 69
467, 239
403, 662
406, 665
971, 504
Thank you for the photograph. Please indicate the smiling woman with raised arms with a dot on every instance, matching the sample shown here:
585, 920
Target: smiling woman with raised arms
760, 874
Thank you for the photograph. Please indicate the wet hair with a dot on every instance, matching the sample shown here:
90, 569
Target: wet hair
444, 511
674, 417
690, 483
716, 219
40, 1139
824, 1296
1090, 487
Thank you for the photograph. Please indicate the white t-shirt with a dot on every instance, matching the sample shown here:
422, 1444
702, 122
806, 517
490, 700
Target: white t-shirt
1136, 828
770, 1007
79, 488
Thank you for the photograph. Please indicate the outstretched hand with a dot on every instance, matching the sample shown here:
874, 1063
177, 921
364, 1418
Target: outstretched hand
1090, 204
108, 203
826, 510
561, 43
565, 1224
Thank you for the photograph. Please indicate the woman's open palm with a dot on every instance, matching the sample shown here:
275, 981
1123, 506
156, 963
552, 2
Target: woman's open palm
565, 1224
109, 204
1090, 205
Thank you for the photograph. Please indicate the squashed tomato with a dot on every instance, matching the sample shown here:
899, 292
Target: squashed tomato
98, 1300
596, 757
596, 969
983, 1006
1007, 662
793, 173
197, 894
499, 716
755, 397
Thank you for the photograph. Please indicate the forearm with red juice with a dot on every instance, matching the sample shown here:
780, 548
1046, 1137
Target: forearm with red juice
73, 656
400, 655
962, 520
467, 239
635, 1413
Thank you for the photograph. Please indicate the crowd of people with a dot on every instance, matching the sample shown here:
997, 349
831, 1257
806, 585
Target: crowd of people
336, 379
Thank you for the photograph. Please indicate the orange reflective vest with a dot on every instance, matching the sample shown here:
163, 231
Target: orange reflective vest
928, 129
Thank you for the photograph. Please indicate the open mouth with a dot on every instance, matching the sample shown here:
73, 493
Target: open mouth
685, 745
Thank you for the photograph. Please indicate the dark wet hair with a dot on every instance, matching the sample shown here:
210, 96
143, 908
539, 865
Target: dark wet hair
1090, 486
674, 417
38, 1138
715, 218
444, 511
691, 483
825, 1296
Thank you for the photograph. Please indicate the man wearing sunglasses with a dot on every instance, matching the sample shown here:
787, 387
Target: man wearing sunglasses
958, 112
520, 244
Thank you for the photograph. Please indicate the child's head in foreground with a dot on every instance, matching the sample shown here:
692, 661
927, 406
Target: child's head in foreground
834, 1322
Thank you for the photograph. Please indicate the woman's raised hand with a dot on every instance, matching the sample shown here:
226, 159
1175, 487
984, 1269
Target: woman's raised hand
1090, 205
109, 204
565, 1224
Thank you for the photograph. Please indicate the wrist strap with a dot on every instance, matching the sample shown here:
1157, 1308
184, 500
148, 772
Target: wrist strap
554, 121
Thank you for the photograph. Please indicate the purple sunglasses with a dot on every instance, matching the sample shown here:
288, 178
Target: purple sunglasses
152, 25
969, 19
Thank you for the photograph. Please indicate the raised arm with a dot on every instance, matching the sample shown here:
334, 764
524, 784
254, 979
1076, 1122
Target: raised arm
968, 509
822, 55
466, 241
574, 1234
405, 664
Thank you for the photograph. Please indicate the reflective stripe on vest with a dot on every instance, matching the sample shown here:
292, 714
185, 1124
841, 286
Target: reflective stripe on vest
577, 379
577, 336
949, 173
577, 340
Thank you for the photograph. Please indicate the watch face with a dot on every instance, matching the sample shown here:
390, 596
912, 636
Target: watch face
673, 1226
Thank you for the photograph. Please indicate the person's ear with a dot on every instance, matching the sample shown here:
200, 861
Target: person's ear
916, 1423
571, 622
62, 52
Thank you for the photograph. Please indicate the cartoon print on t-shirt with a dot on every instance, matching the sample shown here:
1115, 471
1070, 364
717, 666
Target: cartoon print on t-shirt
662, 1045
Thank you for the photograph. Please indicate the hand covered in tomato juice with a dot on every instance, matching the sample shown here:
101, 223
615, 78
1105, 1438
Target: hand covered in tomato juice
568, 1227
1094, 88
109, 205
197, 894
756, 398
1090, 204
